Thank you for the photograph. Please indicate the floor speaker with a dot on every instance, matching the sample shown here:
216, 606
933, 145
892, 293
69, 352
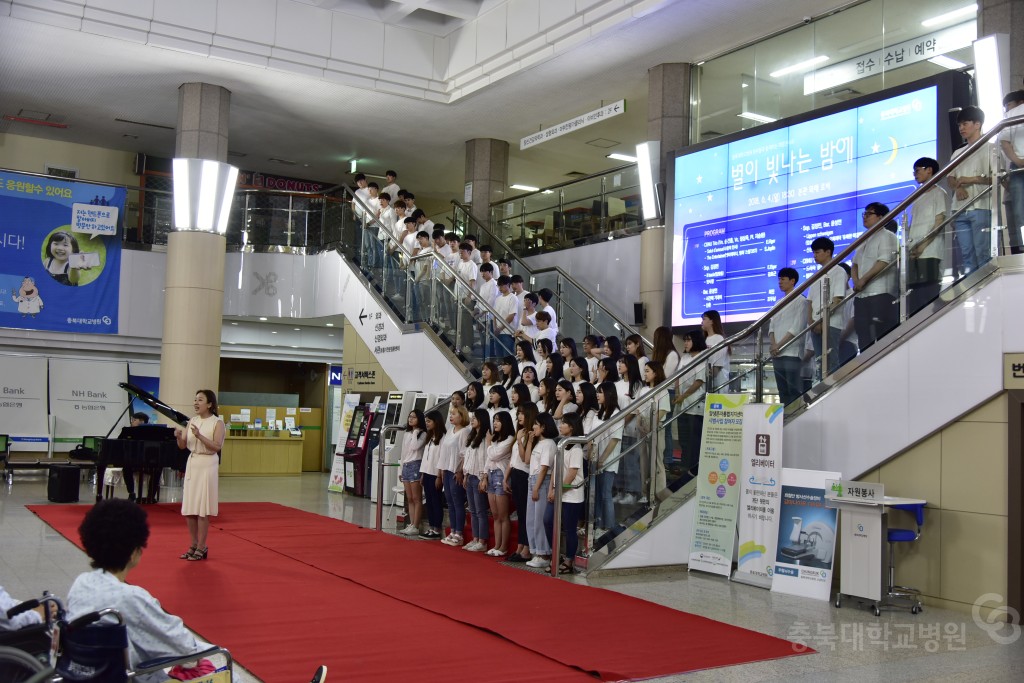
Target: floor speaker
62, 485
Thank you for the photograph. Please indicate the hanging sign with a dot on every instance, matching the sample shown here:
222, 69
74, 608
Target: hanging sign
574, 124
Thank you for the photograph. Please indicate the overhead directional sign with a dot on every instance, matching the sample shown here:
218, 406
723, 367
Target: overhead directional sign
581, 121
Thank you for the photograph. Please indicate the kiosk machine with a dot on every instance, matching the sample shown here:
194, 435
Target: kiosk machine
399, 405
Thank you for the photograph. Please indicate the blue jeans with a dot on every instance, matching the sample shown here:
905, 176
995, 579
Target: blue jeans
973, 234
1015, 192
604, 508
435, 511
629, 466
456, 497
478, 508
571, 513
506, 345
540, 544
833, 349
787, 378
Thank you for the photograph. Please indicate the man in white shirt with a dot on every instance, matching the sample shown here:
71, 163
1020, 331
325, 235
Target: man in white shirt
359, 208
546, 295
475, 254
487, 290
422, 222
1011, 142
785, 326
391, 187
974, 225
925, 242
507, 307
518, 291
823, 249
410, 203
466, 270
420, 271
874, 308
528, 318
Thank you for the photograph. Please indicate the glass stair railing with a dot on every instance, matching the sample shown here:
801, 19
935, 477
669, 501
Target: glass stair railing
580, 312
634, 481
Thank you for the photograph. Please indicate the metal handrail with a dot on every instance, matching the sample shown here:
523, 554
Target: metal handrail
567, 183
553, 269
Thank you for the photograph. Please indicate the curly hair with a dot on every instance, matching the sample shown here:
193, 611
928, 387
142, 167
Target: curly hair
111, 531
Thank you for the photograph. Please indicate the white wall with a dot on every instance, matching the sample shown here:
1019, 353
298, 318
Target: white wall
611, 269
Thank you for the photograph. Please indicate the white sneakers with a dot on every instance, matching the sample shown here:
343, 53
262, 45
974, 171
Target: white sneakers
538, 562
453, 540
475, 546
627, 499
410, 530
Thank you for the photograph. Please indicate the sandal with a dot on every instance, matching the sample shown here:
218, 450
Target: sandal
198, 555
565, 567
188, 553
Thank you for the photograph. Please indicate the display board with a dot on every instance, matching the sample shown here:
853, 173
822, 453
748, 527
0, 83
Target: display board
23, 402
753, 203
61, 246
85, 398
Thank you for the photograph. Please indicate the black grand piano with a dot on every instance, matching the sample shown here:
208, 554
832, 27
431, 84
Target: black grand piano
145, 449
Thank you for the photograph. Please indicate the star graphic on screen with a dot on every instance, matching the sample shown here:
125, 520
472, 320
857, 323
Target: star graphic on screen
711, 197
875, 148
699, 179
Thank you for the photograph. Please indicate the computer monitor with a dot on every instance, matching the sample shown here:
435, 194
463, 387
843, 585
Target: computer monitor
92, 443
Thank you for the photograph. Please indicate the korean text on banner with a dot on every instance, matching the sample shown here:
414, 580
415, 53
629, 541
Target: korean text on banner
23, 402
718, 499
807, 535
760, 493
61, 246
85, 398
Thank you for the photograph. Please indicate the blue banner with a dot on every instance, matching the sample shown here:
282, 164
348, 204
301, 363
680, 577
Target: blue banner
60, 242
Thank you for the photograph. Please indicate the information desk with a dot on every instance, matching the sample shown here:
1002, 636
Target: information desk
863, 536
261, 453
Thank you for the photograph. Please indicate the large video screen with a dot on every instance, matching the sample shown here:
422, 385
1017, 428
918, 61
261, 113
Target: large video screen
744, 209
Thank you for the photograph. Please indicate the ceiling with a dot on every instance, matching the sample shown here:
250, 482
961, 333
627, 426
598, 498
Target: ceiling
88, 81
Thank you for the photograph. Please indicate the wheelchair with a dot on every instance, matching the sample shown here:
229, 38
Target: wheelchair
89, 649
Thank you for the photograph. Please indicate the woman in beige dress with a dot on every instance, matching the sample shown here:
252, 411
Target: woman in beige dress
204, 437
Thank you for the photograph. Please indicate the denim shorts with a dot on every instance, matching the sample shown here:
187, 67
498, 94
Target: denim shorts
496, 482
411, 470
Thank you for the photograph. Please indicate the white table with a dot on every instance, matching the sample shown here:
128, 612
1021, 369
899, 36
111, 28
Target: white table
864, 564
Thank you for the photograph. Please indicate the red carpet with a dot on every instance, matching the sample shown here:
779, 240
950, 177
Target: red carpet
285, 590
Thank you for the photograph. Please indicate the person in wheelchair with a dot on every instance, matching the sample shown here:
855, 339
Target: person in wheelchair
114, 534
30, 618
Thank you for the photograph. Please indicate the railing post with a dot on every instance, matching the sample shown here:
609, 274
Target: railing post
522, 225
557, 475
604, 205
759, 365
903, 264
825, 294
996, 202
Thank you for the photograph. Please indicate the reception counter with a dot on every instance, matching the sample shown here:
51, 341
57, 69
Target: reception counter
266, 453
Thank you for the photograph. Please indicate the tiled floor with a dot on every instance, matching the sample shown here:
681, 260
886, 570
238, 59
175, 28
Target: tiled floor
938, 645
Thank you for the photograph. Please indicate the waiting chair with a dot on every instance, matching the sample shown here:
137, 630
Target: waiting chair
911, 595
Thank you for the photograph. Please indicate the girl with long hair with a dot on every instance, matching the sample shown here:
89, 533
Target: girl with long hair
432, 483
414, 441
539, 455
605, 457
572, 495
517, 478
499, 454
474, 467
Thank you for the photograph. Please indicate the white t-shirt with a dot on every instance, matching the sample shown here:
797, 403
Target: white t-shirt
602, 443
431, 454
979, 164
622, 389
392, 190
363, 194
839, 288
474, 459
528, 323
1014, 134
387, 219
413, 444
498, 454
694, 403
452, 449
573, 457
507, 305
719, 360
882, 246
545, 334
553, 326
468, 271
488, 291
923, 214
516, 459
543, 454
792, 319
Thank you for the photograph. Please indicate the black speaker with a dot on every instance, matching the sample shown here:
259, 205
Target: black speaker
62, 484
638, 313
140, 163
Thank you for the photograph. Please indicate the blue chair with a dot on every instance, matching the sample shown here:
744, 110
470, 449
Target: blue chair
912, 596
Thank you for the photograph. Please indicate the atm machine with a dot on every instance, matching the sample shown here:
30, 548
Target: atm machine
400, 404
355, 450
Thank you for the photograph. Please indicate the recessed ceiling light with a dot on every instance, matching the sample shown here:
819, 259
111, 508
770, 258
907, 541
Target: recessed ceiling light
330, 324
950, 16
262, 319
273, 332
618, 156
130, 136
799, 66
524, 188
294, 347
286, 162
947, 62
760, 118
330, 334
234, 323
297, 329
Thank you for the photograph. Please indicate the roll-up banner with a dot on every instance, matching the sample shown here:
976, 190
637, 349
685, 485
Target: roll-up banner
23, 405
718, 498
61, 246
759, 494
85, 398
807, 535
